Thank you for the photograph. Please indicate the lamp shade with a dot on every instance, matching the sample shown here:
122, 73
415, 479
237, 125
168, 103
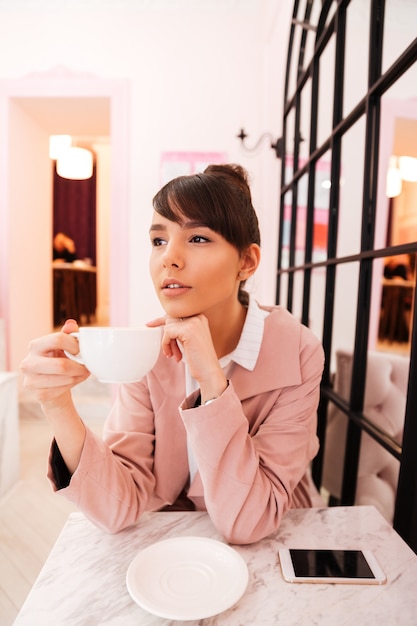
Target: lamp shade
58, 144
408, 168
394, 182
75, 163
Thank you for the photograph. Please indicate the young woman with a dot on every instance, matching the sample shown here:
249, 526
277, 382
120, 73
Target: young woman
226, 420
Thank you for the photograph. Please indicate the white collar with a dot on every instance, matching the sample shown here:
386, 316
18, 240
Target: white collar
247, 350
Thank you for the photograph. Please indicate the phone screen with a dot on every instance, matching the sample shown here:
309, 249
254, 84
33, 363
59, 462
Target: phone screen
330, 563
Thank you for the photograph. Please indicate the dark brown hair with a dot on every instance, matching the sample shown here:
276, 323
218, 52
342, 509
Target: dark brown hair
219, 198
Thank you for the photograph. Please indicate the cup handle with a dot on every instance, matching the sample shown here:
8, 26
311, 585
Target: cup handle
74, 357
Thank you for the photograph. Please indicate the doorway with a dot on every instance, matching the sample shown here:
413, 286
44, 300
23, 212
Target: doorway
32, 109
76, 294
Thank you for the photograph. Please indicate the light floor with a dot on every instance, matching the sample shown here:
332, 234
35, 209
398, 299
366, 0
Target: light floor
31, 515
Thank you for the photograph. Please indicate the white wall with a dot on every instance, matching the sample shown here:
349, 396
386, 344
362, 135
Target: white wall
29, 234
195, 75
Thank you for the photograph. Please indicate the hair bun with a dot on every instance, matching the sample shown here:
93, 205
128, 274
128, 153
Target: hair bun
233, 173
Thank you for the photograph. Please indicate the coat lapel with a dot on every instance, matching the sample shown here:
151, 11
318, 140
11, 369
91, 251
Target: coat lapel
278, 364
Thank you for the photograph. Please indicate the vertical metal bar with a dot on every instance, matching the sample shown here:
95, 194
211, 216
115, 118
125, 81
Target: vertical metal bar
317, 466
297, 136
310, 194
284, 152
294, 205
405, 516
311, 191
334, 200
354, 432
281, 222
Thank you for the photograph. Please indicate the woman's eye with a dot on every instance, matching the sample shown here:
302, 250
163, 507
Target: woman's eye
199, 239
157, 241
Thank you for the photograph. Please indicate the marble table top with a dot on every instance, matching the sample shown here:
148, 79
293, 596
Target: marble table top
83, 582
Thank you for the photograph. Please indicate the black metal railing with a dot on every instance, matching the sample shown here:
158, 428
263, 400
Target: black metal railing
331, 17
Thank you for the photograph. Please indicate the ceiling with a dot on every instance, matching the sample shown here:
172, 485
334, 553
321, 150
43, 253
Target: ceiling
88, 120
405, 142
86, 117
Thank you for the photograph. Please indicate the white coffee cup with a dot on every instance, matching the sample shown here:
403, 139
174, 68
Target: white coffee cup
117, 354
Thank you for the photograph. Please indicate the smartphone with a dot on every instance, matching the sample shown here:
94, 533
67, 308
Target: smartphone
330, 566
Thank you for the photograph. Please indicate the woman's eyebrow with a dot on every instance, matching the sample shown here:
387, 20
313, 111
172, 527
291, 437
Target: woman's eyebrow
188, 225
183, 225
157, 227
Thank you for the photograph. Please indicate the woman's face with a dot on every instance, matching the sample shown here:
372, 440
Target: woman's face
194, 269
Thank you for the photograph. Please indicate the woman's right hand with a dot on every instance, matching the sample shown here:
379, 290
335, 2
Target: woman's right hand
48, 373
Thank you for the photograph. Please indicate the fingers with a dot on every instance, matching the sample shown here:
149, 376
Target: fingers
174, 332
170, 349
169, 344
46, 366
48, 373
70, 326
53, 345
183, 335
52, 391
42, 373
159, 321
50, 379
43, 383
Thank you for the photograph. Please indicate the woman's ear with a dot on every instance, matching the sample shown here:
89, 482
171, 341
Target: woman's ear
249, 261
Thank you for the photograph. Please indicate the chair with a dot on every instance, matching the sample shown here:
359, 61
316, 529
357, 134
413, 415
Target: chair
384, 404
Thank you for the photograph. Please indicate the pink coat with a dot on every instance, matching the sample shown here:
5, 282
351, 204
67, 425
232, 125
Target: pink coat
253, 445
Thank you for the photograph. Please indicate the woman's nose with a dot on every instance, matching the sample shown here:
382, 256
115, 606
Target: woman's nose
172, 256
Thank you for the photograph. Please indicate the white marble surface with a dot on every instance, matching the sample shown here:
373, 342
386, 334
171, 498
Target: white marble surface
9, 431
83, 581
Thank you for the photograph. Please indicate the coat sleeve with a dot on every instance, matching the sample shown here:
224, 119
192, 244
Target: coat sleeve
253, 453
114, 482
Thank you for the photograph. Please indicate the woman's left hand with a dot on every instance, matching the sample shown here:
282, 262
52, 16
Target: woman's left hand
194, 337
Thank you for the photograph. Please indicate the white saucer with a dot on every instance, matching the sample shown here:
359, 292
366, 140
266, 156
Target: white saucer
187, 578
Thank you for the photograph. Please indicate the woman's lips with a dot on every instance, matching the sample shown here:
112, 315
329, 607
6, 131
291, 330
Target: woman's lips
173, 289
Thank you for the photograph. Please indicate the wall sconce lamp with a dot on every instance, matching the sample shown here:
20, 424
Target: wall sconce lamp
58, 144
75, 164
71, 162
394, 181
408, 168
400, 168
277, 145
